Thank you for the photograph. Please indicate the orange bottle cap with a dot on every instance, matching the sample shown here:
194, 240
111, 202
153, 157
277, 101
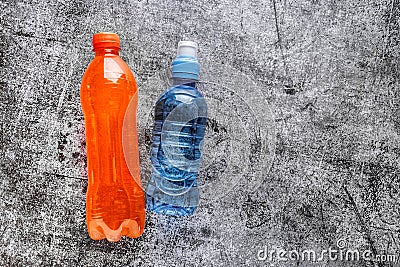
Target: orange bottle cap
106, 40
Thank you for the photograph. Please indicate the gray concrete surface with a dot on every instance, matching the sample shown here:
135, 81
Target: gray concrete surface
302, 147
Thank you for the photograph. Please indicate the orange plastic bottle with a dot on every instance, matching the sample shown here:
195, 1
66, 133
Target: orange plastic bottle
115, 204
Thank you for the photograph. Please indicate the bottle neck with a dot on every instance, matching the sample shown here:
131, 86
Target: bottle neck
183, 81
103, 51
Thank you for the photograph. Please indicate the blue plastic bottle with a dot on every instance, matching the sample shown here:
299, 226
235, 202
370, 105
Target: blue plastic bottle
179, 128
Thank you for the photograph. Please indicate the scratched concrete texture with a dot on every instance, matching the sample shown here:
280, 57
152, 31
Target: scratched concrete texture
302, 145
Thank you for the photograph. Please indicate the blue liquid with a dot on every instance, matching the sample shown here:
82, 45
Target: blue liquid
179, 128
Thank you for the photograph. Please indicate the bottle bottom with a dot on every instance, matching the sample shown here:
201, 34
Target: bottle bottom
167, 209
98, 230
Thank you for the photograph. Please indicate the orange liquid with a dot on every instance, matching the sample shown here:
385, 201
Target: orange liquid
115, 204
